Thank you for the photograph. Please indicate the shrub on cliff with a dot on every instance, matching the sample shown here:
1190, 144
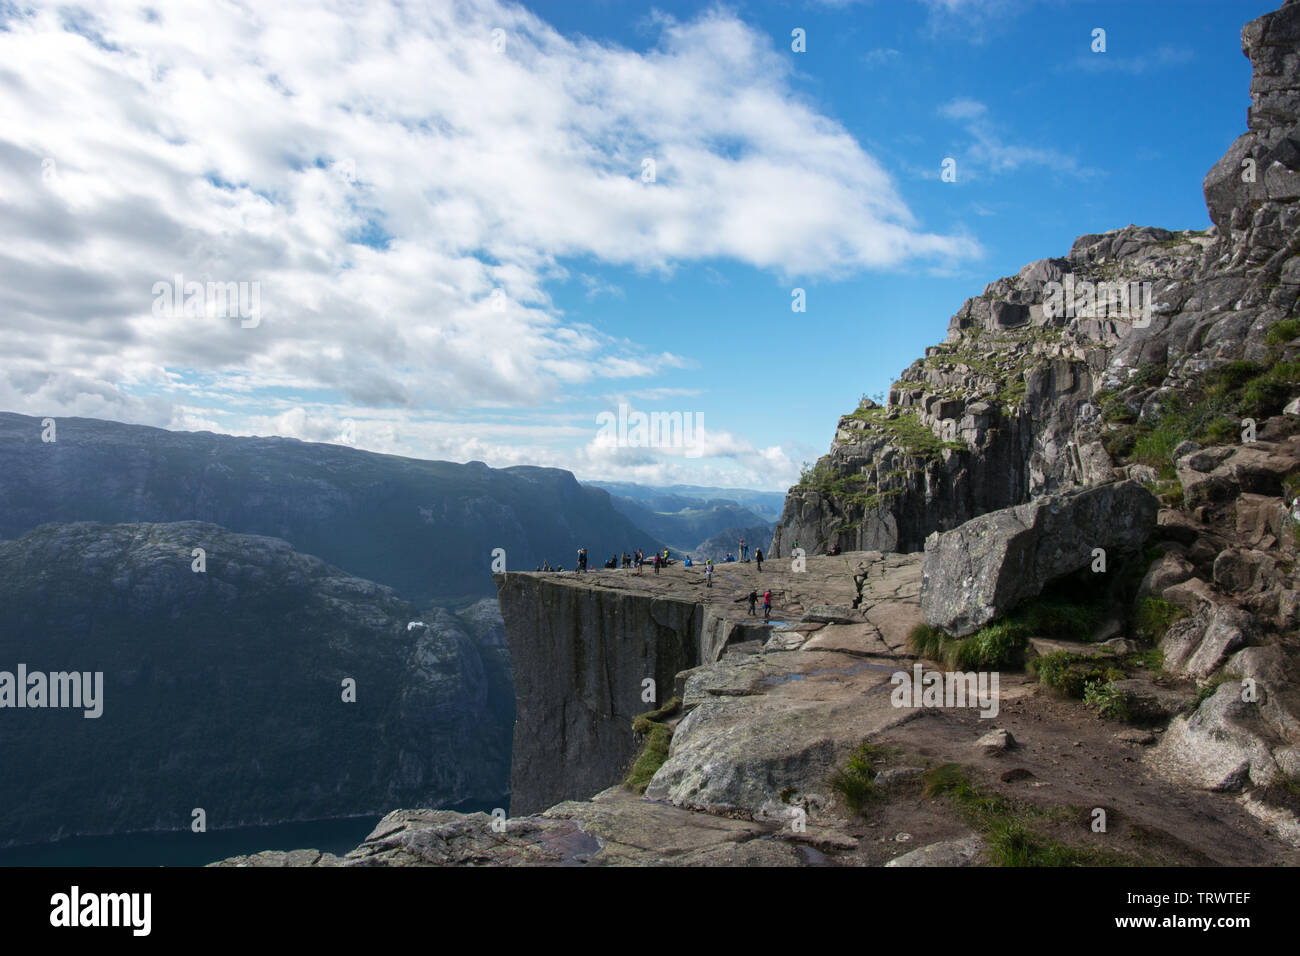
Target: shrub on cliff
658, 736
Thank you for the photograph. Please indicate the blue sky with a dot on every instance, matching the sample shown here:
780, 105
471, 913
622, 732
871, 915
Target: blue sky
380, 176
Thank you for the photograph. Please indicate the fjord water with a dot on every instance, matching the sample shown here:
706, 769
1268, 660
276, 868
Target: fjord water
184, 848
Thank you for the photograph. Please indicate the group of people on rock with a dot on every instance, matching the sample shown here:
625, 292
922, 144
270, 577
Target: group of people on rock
661, 560
752, 598
658, 559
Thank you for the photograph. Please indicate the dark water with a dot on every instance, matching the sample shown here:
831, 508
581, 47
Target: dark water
185, 848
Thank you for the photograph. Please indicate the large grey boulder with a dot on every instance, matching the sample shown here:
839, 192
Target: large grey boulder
968, 851
1223, 746
988, 565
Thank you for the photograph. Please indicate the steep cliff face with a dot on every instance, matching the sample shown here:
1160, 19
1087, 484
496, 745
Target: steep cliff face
224, 689
1011, 405
581, 650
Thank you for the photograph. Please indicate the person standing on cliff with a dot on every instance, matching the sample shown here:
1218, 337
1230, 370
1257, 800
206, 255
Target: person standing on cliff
708, 575
767, 605
659, 562
753, 600
744, 549
758, 557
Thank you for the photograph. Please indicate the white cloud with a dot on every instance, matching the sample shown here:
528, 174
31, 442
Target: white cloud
1114, 62
881, 56
990, 153
253, 143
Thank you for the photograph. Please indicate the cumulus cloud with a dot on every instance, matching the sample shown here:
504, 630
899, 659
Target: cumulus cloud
403, 183
989, 152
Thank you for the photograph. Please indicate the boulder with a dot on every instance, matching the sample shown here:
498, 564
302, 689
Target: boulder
1197, 646
990, 564
1217, 747
997, 742
1261, 519
1147, 701
967, 851
1173, 525
1241, 572
1166, 571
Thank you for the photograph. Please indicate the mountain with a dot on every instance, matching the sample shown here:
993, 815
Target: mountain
427, 529
766, 504
728, 540
685, 521
223, 689
1109, 357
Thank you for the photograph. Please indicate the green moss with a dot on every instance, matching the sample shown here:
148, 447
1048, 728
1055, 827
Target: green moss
1013, 393
1168, 490
905, 430
1280, 333
1002, 643
1060, 618
658, 736
852, 490
1154, 617
1266, 394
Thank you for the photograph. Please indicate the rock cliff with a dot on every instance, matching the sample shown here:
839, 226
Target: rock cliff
1017, 401
792, 750
582, 648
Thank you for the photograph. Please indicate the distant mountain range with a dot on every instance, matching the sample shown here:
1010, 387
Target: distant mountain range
766, 504
222, 686
690, 517
427, 529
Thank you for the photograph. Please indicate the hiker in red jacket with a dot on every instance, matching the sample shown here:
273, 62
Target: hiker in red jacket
767, 605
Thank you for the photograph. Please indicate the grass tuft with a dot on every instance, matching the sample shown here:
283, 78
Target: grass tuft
855, 782
1006, 826
658, 736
